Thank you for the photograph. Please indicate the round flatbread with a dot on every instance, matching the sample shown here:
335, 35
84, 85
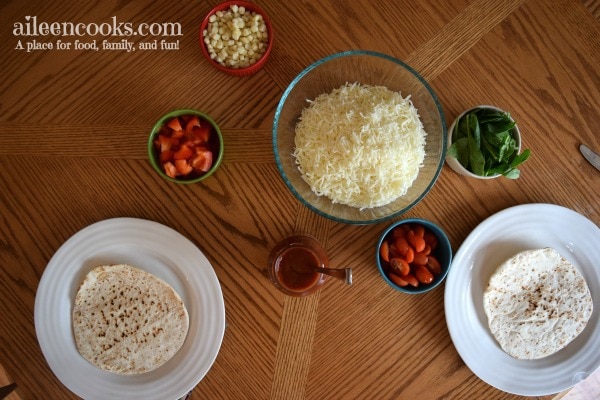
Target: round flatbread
536, 303
128, 321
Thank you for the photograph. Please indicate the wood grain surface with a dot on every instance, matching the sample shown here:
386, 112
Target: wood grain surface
73, 131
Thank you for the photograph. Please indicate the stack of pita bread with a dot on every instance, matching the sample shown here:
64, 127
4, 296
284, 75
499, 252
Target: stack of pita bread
128, 321
536, 303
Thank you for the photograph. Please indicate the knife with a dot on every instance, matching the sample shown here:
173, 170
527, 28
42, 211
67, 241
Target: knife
6, 390
589, 155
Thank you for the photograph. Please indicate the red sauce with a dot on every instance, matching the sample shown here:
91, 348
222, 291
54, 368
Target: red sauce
294, 269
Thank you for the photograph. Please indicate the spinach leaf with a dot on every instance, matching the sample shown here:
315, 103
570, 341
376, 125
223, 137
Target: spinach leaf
512, 173
473, 132
507, 147
476, 160
520, 158
460, 129
499, 126
490, 146
486, 115
460, 151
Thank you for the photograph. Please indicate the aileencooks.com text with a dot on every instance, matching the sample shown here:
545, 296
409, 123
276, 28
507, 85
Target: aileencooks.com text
31, 27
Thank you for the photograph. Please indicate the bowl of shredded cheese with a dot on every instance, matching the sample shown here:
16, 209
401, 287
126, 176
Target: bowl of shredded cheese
359, 137
236, 37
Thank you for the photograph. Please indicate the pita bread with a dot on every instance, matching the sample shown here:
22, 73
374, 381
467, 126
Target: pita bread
128, 321
536, 303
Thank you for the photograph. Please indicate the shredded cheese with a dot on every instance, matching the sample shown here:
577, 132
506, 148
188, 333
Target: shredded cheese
360, 145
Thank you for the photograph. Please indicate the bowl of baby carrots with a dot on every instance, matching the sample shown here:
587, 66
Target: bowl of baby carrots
185, 146
414, 255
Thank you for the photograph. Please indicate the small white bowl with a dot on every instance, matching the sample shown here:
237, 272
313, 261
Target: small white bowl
456, 165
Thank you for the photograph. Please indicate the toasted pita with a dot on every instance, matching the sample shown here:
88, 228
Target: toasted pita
128, 321
536, 303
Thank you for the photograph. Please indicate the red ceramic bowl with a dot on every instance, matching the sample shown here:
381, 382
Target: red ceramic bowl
252, 69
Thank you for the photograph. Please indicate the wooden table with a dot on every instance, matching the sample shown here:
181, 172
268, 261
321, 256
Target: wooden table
73, 132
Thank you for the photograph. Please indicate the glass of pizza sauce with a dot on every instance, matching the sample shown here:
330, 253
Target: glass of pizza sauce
294, 263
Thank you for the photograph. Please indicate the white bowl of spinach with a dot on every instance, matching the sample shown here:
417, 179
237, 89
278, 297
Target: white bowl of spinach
485, 143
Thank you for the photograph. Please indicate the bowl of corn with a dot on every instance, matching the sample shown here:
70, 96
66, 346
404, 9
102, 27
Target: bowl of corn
236, 37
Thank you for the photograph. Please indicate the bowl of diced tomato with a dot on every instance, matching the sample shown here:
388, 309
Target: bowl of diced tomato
185, 146
414, 255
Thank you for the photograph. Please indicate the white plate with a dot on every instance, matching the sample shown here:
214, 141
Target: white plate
159, 250
496, 239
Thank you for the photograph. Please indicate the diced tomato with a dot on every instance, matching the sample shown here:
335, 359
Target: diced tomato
165, 156
182, 166
174, 124
166, 143
163, 143
170, 169
185, 118
183, 153
203, 159
177, 134
189, 143
201, 134
189, 126
164, 130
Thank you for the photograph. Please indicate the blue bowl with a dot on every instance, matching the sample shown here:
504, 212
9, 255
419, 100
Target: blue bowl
443, 253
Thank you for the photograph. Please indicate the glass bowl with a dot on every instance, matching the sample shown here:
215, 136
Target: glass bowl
368, 68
